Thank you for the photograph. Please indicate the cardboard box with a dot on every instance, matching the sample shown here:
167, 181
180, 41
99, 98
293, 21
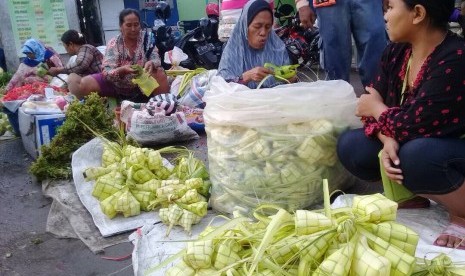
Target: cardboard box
38, 130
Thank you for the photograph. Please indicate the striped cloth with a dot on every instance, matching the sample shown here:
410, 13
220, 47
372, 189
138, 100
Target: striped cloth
166, 101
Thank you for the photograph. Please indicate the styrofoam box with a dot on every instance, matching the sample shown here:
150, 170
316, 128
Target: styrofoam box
38, 130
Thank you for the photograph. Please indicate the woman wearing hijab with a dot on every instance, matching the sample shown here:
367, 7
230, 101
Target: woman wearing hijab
252, 44
36, 53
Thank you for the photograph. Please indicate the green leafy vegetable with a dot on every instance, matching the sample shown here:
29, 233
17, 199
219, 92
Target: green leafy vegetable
55, 160
5, 77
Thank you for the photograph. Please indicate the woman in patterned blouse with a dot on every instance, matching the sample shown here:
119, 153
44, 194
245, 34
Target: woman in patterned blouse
122, 52
88, 59
414, 112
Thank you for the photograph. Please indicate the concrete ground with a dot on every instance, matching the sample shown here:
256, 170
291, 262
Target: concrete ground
27, 249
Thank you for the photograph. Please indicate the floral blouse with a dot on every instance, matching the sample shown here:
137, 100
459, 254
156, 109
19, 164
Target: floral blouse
434, 106
117, 55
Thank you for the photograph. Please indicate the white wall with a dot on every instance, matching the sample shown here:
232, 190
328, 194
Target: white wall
110, 10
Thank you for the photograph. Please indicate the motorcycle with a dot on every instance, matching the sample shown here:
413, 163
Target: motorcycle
201, 50
301, 44
202, 44
164, 37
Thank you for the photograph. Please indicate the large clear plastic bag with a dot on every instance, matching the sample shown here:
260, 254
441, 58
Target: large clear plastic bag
276, 145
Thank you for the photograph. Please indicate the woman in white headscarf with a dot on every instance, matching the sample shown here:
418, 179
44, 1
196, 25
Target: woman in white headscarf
252, 44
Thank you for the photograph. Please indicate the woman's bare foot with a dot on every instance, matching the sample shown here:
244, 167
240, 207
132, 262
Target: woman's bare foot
453, 236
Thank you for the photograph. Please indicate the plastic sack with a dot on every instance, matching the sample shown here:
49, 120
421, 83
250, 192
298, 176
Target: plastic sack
175, 85
276, 145
194, 92
225, 30
175, 57
228, 19
60, 81
152, 126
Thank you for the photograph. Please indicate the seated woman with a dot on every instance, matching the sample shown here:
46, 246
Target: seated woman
36, 53
252, 44
88, 60
122, 52
415, 112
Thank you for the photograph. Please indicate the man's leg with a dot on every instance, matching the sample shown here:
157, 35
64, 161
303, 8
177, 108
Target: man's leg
369, 31
335, 39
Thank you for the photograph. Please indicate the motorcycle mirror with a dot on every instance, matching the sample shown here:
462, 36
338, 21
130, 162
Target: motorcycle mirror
206, 27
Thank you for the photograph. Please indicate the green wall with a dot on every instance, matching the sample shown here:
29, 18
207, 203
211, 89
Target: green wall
192, 9
195, 9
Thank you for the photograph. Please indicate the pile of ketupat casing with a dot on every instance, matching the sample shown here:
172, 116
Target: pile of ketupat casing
132, 179
361, 240
281, 165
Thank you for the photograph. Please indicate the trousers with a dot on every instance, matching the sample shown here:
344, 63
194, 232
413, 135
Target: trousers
362, 19
429, 165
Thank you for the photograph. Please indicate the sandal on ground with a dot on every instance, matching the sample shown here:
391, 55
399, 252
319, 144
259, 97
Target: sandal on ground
453, 230
416, 202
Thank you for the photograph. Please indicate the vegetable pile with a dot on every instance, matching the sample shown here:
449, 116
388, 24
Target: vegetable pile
42, 70
4, 124
23, 92
5, 77
281, 165
55, 159
361, 240
132, 179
